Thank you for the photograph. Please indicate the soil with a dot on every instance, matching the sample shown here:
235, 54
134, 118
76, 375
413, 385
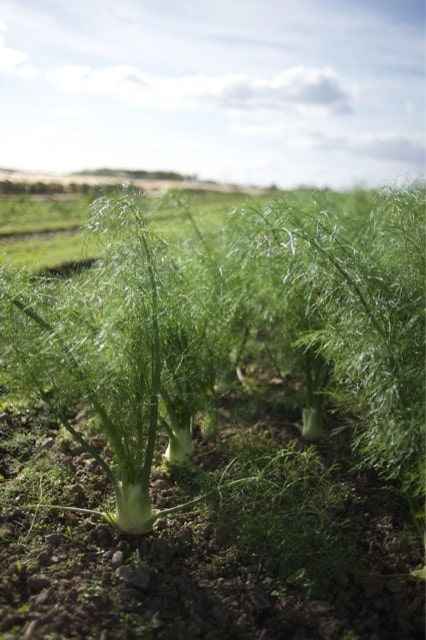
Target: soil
69, 575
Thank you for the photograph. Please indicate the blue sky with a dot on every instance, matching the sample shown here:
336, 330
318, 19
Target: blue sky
261, 92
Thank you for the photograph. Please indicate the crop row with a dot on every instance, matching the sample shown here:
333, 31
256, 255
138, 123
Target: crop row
148, 337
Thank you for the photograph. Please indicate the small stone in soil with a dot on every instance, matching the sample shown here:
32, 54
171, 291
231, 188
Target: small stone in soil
139, 577
117, 559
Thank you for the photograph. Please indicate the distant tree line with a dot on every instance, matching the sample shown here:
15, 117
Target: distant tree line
136, 174
13, 187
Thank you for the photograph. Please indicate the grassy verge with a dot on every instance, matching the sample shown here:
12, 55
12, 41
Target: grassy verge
42, 233
46, 252
27, 214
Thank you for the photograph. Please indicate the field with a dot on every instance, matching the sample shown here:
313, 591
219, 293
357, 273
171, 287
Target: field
257, 359
41, 219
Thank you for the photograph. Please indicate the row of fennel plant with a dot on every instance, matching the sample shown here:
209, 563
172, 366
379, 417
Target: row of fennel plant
145, 335
132, 339
340, 296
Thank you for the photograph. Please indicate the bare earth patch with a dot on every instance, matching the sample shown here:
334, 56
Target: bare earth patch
67, 575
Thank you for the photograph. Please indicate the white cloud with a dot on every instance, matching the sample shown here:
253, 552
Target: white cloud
392, 147
297, 86
388, 147
13, 61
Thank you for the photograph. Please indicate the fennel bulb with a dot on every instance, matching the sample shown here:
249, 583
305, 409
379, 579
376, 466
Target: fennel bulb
179, 448
312, 427
133, 510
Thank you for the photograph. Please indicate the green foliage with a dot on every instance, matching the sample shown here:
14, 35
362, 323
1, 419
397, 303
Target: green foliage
43, 231
374, 332
287, 517
334, 293
118, 338
282, 288
326, 287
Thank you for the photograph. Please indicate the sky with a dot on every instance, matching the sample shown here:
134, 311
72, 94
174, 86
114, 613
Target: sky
325, 93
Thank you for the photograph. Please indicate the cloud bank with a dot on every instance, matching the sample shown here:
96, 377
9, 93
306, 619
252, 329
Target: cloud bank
297, 86
387, 147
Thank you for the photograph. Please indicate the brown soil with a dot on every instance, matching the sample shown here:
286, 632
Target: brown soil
68, 575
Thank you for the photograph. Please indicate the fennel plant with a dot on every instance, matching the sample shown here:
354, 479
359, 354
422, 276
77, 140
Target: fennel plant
187, 383
199, 339
375, 332
282, 301
100, 341
194, 336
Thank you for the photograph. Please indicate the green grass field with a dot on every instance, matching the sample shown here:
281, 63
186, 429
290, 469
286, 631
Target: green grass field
42, 232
